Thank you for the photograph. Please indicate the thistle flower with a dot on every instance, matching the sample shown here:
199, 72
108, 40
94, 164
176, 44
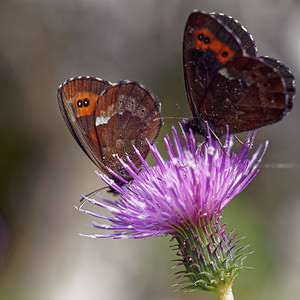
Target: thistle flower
184, 197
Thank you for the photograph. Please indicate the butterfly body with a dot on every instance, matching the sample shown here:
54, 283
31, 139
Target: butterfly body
226, 82
108, 119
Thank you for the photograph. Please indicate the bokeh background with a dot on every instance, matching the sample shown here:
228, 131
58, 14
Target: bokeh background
44, 172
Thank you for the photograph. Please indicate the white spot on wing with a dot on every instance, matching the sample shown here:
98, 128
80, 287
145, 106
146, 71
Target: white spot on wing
224, 72
102, 120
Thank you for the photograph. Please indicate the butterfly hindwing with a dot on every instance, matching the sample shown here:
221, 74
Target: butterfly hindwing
126, 114
248, 93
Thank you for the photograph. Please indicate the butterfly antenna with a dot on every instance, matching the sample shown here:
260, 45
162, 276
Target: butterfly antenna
174, 118
179, 107
168, 118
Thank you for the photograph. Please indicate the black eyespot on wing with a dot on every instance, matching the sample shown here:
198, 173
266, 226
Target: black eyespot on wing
86, 102
206, 40
79, 103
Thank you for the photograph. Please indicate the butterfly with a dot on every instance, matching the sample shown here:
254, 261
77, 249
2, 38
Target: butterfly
226, 82
107, 119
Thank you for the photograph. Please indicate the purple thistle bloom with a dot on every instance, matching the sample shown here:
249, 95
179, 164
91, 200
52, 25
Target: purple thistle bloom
193, 185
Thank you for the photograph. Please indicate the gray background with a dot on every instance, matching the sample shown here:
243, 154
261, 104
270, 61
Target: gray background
44, 172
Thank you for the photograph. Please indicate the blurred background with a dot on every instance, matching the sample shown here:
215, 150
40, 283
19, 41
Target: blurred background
44, 172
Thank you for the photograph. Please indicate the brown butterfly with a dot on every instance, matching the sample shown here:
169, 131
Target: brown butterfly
107, 119
226, 83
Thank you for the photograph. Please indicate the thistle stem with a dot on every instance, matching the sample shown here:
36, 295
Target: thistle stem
227, 295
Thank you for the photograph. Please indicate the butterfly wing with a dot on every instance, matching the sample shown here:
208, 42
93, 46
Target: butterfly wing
239, 32
209, 43
77, 99
287, 77
125, 115
106, 119
248, 93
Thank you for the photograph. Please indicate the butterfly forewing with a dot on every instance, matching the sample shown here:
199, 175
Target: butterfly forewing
206, 49
126, 114
239, 31
77, 98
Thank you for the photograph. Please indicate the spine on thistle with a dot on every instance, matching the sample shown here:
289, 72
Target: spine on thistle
211, 258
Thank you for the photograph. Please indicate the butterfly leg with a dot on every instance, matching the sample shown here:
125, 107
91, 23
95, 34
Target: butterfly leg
201, 145
237, 139
216, 137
